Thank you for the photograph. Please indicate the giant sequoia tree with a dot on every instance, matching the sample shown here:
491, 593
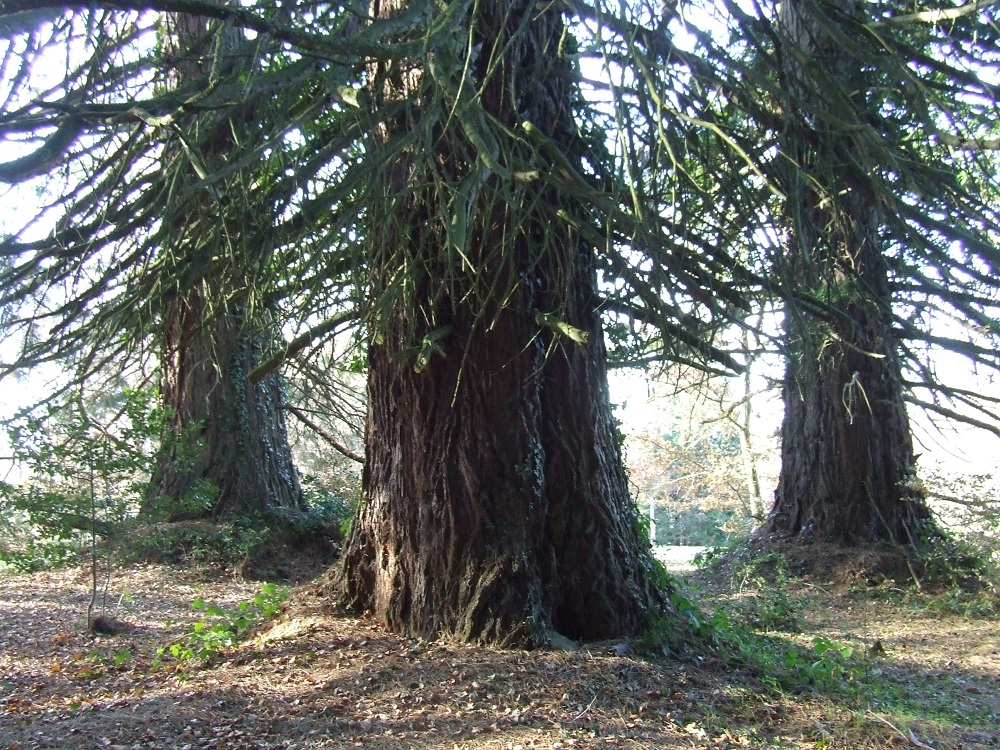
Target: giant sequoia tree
848, 471
852, 176
495, 504
226, 451
163, 227
834, 143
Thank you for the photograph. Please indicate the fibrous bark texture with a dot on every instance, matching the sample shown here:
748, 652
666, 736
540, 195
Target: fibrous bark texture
847, 464
226, 451
225, 448
495, 508
848, 468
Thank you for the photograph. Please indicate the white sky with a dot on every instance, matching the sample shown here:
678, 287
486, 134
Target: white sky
960, 448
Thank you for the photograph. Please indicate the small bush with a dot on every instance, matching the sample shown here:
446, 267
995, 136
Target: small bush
222, 629
84, 480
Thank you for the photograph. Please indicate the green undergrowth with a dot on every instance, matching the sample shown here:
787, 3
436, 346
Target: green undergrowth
220, 629
779, 661
291, 544
847, 675
85, 496
286, 547
766, 622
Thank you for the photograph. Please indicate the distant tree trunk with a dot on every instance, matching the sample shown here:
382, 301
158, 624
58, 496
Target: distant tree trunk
745, 433
496, 507
225, 449
847, 466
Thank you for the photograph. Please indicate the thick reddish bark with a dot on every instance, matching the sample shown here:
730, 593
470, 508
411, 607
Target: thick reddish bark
225, 448
495, 507
226, 451
848, 469
847, 463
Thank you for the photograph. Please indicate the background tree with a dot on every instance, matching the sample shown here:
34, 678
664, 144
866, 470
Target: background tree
226, 451
836, 153
170, 230
848, 470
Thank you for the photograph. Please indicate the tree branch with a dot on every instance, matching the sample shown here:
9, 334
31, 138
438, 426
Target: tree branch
299, 343
44, 158
300, 415
937, 15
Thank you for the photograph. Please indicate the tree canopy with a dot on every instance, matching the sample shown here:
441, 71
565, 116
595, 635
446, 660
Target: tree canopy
681, 115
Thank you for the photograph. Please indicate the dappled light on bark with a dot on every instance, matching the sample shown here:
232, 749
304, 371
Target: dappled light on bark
495, 505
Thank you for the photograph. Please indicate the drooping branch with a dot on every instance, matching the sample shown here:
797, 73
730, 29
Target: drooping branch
327, 437
300, 342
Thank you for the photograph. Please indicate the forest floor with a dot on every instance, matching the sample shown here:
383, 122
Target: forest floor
849, 668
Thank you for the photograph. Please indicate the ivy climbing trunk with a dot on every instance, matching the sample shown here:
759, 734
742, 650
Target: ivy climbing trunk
225, 450
495, 505
847, 462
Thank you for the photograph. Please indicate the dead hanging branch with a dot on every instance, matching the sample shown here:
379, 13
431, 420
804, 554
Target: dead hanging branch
327, 437
300, 342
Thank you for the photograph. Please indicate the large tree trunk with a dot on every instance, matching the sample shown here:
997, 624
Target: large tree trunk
496, 507
848, 469
225, 448
847, 465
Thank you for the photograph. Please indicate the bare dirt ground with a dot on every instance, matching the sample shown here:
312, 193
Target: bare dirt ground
315, 679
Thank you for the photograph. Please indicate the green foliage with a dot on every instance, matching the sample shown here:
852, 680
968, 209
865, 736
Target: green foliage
739, 629
326, 510
31, 553
779, 662
220, 545
643, 524
777, 610
711, 554
764, 600
702, 527
825, 665
956, 576
279, 544
827, 660
184, 450
122, 656
222, 629
964, 577
83, 477
192, 504
967, 603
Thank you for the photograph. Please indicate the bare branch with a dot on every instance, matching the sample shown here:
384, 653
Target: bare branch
330, 439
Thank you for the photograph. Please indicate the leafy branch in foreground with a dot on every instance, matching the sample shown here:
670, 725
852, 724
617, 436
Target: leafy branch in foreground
87, 464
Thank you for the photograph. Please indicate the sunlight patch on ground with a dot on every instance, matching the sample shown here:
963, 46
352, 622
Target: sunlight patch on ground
677, 559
